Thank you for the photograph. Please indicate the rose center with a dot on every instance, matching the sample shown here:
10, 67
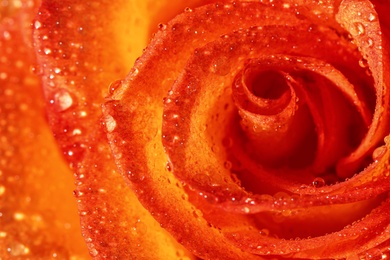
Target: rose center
267, 84
274, 118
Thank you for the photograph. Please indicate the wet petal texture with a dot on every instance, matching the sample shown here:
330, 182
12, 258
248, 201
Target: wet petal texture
38, 216
81, 49
262, 125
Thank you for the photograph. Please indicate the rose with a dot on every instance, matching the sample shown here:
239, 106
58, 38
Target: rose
319, 71
57, 56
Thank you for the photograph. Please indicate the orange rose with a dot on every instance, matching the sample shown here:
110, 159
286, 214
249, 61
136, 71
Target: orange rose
245, 130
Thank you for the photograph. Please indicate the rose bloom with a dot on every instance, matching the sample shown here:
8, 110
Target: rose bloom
243, 129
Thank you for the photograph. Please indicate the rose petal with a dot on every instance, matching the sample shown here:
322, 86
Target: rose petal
135, 114
37, 210
366, 31
76, 43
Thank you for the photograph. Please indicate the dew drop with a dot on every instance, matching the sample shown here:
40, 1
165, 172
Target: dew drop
187, 10
169, 166
227, 165
63, 100
135, 177
162, 26
114, 86
371, 17
47, 51
227, 142
363, 63
220, 66
76, 131
78, 193
94, 252
236, 180
215, 148
246, 210
318, 182
264, 232
370, 42
37, 24
197, 213
281, 196
360, 28
83, 213
110, 123
140, 227
379, 152
184, 196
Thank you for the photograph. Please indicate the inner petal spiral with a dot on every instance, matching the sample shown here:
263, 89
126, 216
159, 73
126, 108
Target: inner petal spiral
274, 119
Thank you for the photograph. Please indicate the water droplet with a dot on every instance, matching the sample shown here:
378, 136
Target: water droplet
236, 180
246, 210
215, 148
227, 165
371, 17
110, 123
197, 213
227, 142
220, 66
264, 232
63, 100
78, 193
162, 26
94, 252
318, 182
135, 177
169, 166
37, 70
187, 10
379, 152
37, 24
184, 196
2, 190
373, 253
114, 86
281, 196
83, 213
360, 28
370, 42
363, 63
76, 131
47, 51
140, 227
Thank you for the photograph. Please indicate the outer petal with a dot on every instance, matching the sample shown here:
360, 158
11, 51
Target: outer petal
133, 117
38, 219
82, 47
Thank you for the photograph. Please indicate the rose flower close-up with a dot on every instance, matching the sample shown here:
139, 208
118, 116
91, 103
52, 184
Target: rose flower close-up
197, 129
